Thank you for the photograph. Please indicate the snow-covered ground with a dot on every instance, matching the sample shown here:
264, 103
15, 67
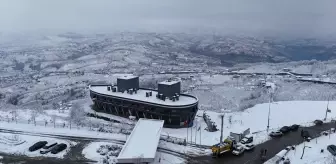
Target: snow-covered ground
90, 152
255, 118
82, 132
19, 144
163, 158
312, 153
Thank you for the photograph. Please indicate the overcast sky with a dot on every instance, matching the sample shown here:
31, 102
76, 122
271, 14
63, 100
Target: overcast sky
276, 16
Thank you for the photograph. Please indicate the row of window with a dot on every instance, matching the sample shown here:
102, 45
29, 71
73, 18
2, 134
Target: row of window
126, 112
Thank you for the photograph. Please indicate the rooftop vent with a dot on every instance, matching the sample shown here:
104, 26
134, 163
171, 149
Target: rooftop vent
108, 88
114, 89
147, 94
150, 93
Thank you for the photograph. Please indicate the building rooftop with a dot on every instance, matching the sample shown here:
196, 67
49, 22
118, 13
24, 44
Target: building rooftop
141, 96
169, 82
126, 77
142, 143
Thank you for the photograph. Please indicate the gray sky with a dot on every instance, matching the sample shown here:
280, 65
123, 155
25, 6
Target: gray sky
306, 17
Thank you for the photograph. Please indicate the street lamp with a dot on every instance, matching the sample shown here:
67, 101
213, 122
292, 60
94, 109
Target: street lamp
269, 111
304, 147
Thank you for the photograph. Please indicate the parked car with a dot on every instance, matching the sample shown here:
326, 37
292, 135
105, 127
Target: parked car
294, 127
58, 148
290, 148
318, 122
332, 130
332, 149
305, 134
238, 150
276, 134
47, 148
38, 145
49, 145
249, 146
247, 139
285, 129
325, 133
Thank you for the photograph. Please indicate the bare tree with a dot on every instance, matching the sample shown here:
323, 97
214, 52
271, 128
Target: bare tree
230, 119
15, 114
77, 114
54, 120
34, 113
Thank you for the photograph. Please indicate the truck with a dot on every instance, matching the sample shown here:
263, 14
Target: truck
223, 147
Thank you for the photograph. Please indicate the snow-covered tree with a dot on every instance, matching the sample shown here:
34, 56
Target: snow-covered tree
53, 117
15, 114
77, 114
33, 114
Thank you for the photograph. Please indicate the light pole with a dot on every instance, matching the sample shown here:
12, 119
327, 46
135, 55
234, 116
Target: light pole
222, 124
196, 129
269, 112
222, 115
327, 110
304, 147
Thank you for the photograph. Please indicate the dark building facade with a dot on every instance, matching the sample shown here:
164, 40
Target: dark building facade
169, 88
175, 116
127, 82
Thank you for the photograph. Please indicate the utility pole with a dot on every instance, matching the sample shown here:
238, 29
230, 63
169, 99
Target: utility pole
187, 132
191, 132
304, 147
269, 113
222, 124
327, 110
200, 134
196, 130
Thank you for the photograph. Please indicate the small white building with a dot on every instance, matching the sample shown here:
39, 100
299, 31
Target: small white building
141, 145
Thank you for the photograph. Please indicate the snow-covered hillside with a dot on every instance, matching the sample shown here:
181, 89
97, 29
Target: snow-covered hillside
38, 71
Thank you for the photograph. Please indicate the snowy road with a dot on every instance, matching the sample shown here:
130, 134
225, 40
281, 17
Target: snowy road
274, 146
77, 138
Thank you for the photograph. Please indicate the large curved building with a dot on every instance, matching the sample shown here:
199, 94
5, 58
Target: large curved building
128, 99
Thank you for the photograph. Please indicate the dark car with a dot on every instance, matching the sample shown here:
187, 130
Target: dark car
285, 129
294, 127
37, 145
318, 122
47, 148
305, 135
58, 148
49, 145
332, 149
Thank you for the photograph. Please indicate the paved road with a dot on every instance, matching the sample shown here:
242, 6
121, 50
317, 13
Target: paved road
273, 146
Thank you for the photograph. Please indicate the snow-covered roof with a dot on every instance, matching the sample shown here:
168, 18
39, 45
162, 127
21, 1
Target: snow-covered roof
169, 82
141, 96
142, 143
126, 77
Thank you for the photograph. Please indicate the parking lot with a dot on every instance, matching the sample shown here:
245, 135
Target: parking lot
273, 146
74, 156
